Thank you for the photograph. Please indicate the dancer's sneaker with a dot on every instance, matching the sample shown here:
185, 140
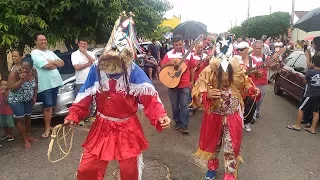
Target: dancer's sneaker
81, 123
211, 175
10, 138
247, 127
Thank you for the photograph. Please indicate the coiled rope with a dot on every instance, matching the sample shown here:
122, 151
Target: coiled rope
64, 152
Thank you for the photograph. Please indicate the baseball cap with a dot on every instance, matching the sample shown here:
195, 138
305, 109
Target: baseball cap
242, 45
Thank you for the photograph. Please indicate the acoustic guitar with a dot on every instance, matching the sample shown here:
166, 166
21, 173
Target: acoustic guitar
272, 61
170, 76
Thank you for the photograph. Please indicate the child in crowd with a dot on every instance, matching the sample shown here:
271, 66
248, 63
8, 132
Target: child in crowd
311, 99
150, 64
6, 114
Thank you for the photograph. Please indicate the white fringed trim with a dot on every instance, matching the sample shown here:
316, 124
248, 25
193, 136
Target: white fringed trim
88, 92
240, 111
142, 89
140, 166
136, 89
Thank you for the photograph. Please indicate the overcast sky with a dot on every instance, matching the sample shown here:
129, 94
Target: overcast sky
217, 14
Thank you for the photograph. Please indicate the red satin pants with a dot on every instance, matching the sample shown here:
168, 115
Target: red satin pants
91, 168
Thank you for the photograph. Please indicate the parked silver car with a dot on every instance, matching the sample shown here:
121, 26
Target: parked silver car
66, 94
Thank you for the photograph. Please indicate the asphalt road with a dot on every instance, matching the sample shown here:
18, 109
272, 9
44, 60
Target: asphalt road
270, 151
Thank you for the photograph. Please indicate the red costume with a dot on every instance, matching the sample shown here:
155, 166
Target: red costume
118, 86
116, 133
222, 122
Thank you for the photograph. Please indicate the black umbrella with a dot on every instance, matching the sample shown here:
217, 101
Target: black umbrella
190, 29
310, 21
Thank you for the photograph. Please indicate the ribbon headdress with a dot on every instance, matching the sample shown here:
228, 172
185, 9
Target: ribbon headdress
121, 48
123, 41
225, 51
123, 34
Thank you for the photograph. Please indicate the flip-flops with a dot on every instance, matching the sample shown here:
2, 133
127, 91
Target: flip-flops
31, 139
27, 145
292, 128
307, 126
46, 134
309, 131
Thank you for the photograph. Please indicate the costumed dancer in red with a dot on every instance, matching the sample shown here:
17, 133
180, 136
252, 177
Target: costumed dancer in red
218, 91
118, 85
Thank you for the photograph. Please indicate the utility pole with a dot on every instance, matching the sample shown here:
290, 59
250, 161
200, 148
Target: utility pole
248, 9
230, 24
292, 12
270, 10
235, 24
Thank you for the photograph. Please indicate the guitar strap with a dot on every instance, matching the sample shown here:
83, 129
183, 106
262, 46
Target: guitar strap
250, 62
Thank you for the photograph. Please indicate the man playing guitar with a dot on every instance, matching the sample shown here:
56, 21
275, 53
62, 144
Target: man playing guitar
250, 105
259, 78
180, 96
201, 59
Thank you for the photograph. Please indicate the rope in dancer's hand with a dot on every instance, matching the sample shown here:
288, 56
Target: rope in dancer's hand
55, 136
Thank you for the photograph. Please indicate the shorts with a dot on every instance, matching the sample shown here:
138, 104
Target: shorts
312, 103
21, 109
6, 121
48, 97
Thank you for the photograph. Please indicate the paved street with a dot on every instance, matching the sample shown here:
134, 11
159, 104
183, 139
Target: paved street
270, 151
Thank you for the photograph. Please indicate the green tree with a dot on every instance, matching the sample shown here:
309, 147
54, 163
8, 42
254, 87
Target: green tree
237, 31
17, 25
158, 33
66, 20
271, 25
149, 14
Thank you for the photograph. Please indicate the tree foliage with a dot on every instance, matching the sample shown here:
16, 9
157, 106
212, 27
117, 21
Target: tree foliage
237, 31
69, 19
159, 33
66, 20
17, 24
271, 25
